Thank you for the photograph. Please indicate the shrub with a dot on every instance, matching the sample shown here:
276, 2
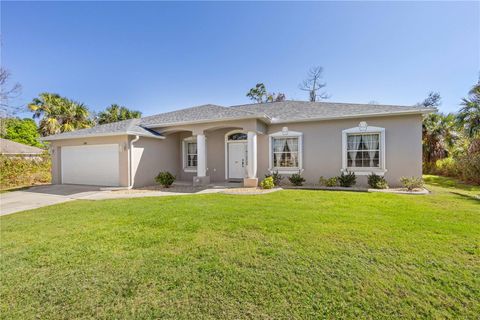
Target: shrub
377, 182
20, 171
347, 179
165, 179
277, 177
412, 182
296, 179
330, 182
267, 183
469, 166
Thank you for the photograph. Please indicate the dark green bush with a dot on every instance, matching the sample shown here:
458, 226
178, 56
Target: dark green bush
347, 179
267, 183
165, 179
377, 182
296, 179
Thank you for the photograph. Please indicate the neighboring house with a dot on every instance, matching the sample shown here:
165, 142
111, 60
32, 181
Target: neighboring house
212, 143
11, 148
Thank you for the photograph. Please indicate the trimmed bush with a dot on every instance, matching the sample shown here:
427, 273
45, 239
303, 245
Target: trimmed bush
347, 179
330, 182
277, 178
377, 182
411, 183
267, 183
296, 179
165, 178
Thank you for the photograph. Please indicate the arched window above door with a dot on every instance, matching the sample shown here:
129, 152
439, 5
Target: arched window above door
237, 136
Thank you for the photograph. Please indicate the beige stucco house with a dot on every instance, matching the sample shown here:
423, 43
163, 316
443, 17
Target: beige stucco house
214, 144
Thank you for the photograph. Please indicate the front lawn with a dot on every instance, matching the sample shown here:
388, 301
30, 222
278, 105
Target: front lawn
288, 254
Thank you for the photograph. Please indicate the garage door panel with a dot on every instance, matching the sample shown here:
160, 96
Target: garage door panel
91, 164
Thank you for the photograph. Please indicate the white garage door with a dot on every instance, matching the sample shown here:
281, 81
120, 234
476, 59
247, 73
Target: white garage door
93, 165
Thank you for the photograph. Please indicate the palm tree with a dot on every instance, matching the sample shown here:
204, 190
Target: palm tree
439, 136
469, 114
59, 114
116, 113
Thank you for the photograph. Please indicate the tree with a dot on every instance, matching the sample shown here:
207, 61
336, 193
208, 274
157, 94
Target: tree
259, 94
433, 100
21, 130
438, 135
59, 114
438, 131
313, 84
116, 113
469, 114
7, 93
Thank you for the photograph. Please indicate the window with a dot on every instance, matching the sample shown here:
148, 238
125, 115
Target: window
286, 151
191, 152
363, 150
237, 136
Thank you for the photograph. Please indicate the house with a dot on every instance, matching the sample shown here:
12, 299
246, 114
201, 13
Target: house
211, 143
9, 148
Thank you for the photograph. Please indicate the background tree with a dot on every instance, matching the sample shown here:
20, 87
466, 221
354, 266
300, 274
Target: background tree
59, 114
313, 85
116, 113
21, 130
438, 131
469, 114
7, 93
259, 94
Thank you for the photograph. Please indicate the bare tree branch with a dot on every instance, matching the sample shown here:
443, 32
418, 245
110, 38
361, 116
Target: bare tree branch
8, 93
313, 84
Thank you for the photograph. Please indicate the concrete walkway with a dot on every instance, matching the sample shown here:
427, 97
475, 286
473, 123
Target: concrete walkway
42, 196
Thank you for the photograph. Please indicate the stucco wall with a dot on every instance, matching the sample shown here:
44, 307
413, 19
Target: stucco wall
150, 156
322, 147
123, 155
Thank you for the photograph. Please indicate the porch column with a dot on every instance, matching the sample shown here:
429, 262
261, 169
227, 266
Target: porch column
201, 156
251, 180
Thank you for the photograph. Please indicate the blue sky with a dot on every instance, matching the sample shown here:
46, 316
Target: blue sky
158, 56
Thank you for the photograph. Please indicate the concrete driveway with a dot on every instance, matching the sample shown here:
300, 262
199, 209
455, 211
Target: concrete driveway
41, 196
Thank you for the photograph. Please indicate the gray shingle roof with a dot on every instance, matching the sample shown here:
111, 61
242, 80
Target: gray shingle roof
12, 147
291, 111
275, 112
130, 126
208, 112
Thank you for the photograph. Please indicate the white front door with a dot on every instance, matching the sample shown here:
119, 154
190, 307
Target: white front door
237, 160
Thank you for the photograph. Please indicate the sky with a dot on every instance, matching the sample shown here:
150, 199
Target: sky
162, 56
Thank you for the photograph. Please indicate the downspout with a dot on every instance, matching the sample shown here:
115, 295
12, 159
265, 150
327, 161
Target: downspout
130, 165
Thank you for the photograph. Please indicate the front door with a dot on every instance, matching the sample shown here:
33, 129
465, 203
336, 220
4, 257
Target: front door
237, 160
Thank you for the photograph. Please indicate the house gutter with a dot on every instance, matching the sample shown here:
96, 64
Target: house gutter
130, 162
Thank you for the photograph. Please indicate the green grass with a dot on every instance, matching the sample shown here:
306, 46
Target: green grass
283, 255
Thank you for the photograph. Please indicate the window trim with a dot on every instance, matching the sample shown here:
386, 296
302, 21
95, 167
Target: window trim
184, 154
285, 134
364, 129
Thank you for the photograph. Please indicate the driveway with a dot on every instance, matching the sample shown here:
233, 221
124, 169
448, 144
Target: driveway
41, 196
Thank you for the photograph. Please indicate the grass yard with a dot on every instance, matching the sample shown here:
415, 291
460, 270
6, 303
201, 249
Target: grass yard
283, 255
